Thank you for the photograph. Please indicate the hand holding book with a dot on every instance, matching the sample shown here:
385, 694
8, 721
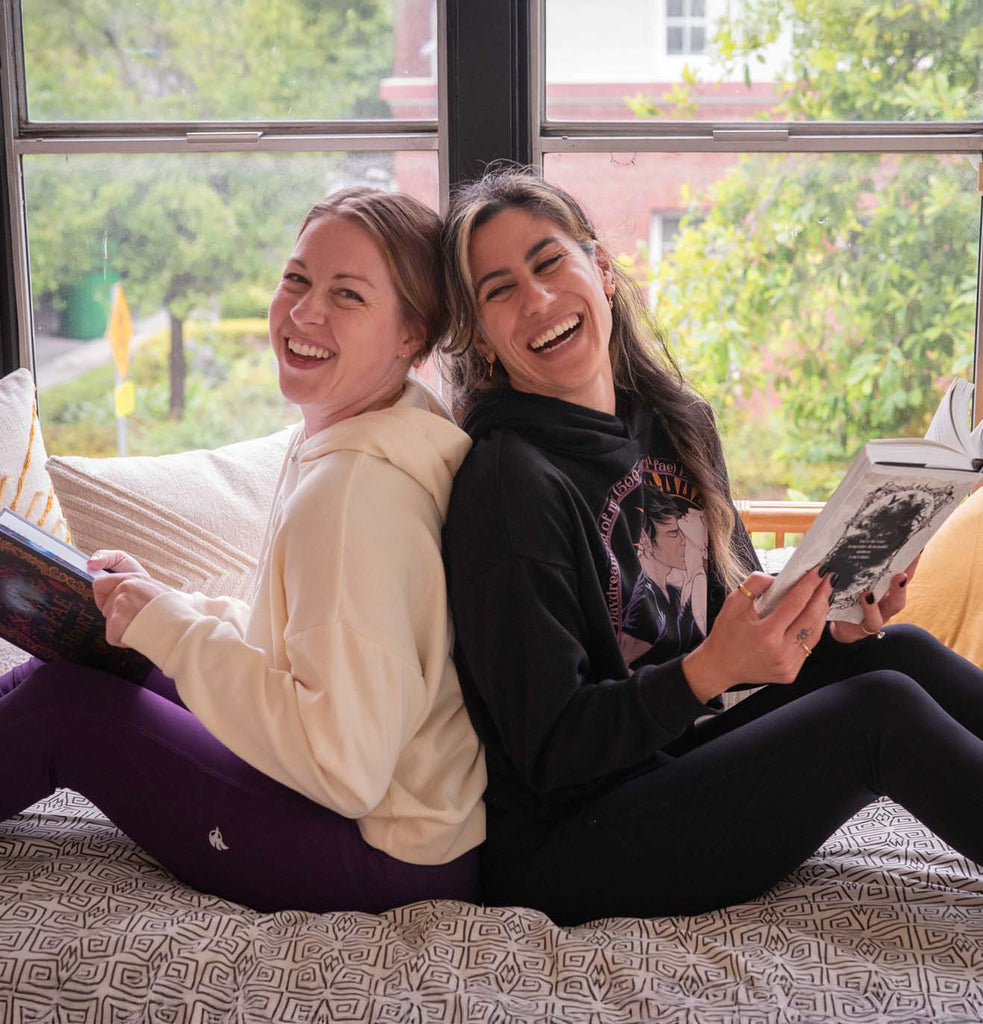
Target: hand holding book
894, 497
47, 605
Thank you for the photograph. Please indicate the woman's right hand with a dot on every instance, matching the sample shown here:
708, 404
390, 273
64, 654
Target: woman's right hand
116, 561
745, 647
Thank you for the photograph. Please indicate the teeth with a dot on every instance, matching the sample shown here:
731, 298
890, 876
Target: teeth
554, 332
308, 350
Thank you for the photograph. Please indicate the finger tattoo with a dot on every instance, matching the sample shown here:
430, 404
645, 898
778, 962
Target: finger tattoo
802, 634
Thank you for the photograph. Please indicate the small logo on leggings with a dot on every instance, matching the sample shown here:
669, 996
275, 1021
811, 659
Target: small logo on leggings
215, 838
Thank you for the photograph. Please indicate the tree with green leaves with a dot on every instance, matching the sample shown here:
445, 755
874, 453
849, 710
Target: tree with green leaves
844, 285
181, 231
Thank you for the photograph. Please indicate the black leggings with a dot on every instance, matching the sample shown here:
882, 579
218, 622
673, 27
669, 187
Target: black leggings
749, 795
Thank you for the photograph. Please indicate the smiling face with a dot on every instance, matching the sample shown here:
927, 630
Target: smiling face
543, 308
336, 325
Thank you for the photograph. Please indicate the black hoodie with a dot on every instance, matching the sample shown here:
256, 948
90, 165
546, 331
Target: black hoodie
569, 654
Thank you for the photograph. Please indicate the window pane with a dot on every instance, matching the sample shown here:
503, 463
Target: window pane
816, 300
674, 8
775, 59
198, 242
230, 59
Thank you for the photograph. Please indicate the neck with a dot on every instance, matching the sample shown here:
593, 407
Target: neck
320, 417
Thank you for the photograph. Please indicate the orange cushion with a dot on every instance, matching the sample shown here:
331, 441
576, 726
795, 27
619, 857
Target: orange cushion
945, 596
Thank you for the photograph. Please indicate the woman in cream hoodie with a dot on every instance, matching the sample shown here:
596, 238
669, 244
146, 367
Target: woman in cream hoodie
309, 750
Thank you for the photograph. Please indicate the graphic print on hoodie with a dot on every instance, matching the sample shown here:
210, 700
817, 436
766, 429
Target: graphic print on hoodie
666, 610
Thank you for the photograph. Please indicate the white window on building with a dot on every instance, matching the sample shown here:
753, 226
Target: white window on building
686, 26
662, 234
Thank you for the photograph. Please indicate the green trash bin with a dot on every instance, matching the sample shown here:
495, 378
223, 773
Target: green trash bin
86, 312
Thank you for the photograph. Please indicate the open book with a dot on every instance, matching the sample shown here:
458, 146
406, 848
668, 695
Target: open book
893, 498
46, 602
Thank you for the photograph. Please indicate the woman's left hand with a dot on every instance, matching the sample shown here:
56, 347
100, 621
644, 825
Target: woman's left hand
119, 596
876, 613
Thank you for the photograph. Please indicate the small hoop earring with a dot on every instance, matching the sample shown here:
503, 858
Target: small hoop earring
611, 301
491, 368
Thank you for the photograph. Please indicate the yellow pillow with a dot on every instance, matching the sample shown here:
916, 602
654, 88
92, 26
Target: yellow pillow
24, 482
944, 595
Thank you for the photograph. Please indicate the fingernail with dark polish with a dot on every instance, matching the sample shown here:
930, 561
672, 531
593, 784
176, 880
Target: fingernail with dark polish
832, 598
823, 569
835, 578
869, 599
903, 583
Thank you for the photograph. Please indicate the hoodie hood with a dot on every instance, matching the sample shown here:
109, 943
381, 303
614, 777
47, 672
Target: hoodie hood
550, 424
416, 434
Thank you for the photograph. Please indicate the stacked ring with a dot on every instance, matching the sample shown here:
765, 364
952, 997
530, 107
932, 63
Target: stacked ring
805, 647
745, 591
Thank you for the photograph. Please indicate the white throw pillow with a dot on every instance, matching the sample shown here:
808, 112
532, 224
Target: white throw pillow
195, 520
24, 483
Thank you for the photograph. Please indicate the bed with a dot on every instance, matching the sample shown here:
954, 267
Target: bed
883, 924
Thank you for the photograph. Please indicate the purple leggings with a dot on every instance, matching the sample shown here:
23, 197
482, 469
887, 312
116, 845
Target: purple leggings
211, 819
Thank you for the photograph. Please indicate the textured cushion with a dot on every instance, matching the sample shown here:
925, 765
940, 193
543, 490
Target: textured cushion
24, 483
945, 593
195, 520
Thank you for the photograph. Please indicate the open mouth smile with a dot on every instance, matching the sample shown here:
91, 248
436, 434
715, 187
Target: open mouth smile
558, 335
300, 348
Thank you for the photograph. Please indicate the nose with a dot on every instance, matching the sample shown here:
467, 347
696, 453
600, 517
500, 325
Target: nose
535, 296
309, 308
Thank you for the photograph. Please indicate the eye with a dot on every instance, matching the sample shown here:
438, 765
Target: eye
349, 295
294, 278
497, 292
549, 262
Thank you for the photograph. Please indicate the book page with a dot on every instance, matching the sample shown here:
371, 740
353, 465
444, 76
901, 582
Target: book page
950, 424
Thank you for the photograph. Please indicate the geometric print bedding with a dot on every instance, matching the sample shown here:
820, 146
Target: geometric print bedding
883, 924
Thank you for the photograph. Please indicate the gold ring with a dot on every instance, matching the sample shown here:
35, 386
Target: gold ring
744, 590
879, 633
805, 647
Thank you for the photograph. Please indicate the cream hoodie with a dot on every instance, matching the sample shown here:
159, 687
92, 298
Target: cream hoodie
338, 680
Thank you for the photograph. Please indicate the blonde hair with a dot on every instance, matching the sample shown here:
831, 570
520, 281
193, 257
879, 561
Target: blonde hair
408, 235
641, 363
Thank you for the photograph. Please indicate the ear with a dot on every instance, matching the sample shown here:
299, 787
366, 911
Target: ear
604, 265
413, 343
484, 349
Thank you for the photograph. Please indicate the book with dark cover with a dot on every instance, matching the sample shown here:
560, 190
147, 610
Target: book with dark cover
46, 602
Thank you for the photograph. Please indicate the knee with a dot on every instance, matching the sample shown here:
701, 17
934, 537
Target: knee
62, 684
886, 691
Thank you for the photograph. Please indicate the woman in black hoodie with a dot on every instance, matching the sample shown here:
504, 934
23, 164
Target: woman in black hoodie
614, 787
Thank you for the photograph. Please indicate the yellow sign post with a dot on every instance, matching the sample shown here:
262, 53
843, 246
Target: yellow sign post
119, 334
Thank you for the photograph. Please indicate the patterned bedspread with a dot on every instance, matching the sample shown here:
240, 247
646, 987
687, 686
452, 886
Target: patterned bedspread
885, 923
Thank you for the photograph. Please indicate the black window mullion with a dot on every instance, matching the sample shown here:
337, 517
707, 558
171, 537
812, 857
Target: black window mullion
9, 338
487, 85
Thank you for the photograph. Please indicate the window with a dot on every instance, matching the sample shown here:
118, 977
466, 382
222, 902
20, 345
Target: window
685, 26
814, 252
156, 154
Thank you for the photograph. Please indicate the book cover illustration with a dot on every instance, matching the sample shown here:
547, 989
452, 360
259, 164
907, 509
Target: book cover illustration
884, 524
47, 609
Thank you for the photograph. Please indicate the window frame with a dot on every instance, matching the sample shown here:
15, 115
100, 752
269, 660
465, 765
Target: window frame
23, 137
559, 136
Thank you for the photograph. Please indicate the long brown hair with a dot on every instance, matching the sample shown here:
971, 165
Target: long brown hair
408, 235
640, 360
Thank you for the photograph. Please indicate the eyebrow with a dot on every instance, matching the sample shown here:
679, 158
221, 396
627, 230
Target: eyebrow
335, 277
530, 255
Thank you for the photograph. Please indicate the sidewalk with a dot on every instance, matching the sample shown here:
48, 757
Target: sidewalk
57, 360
